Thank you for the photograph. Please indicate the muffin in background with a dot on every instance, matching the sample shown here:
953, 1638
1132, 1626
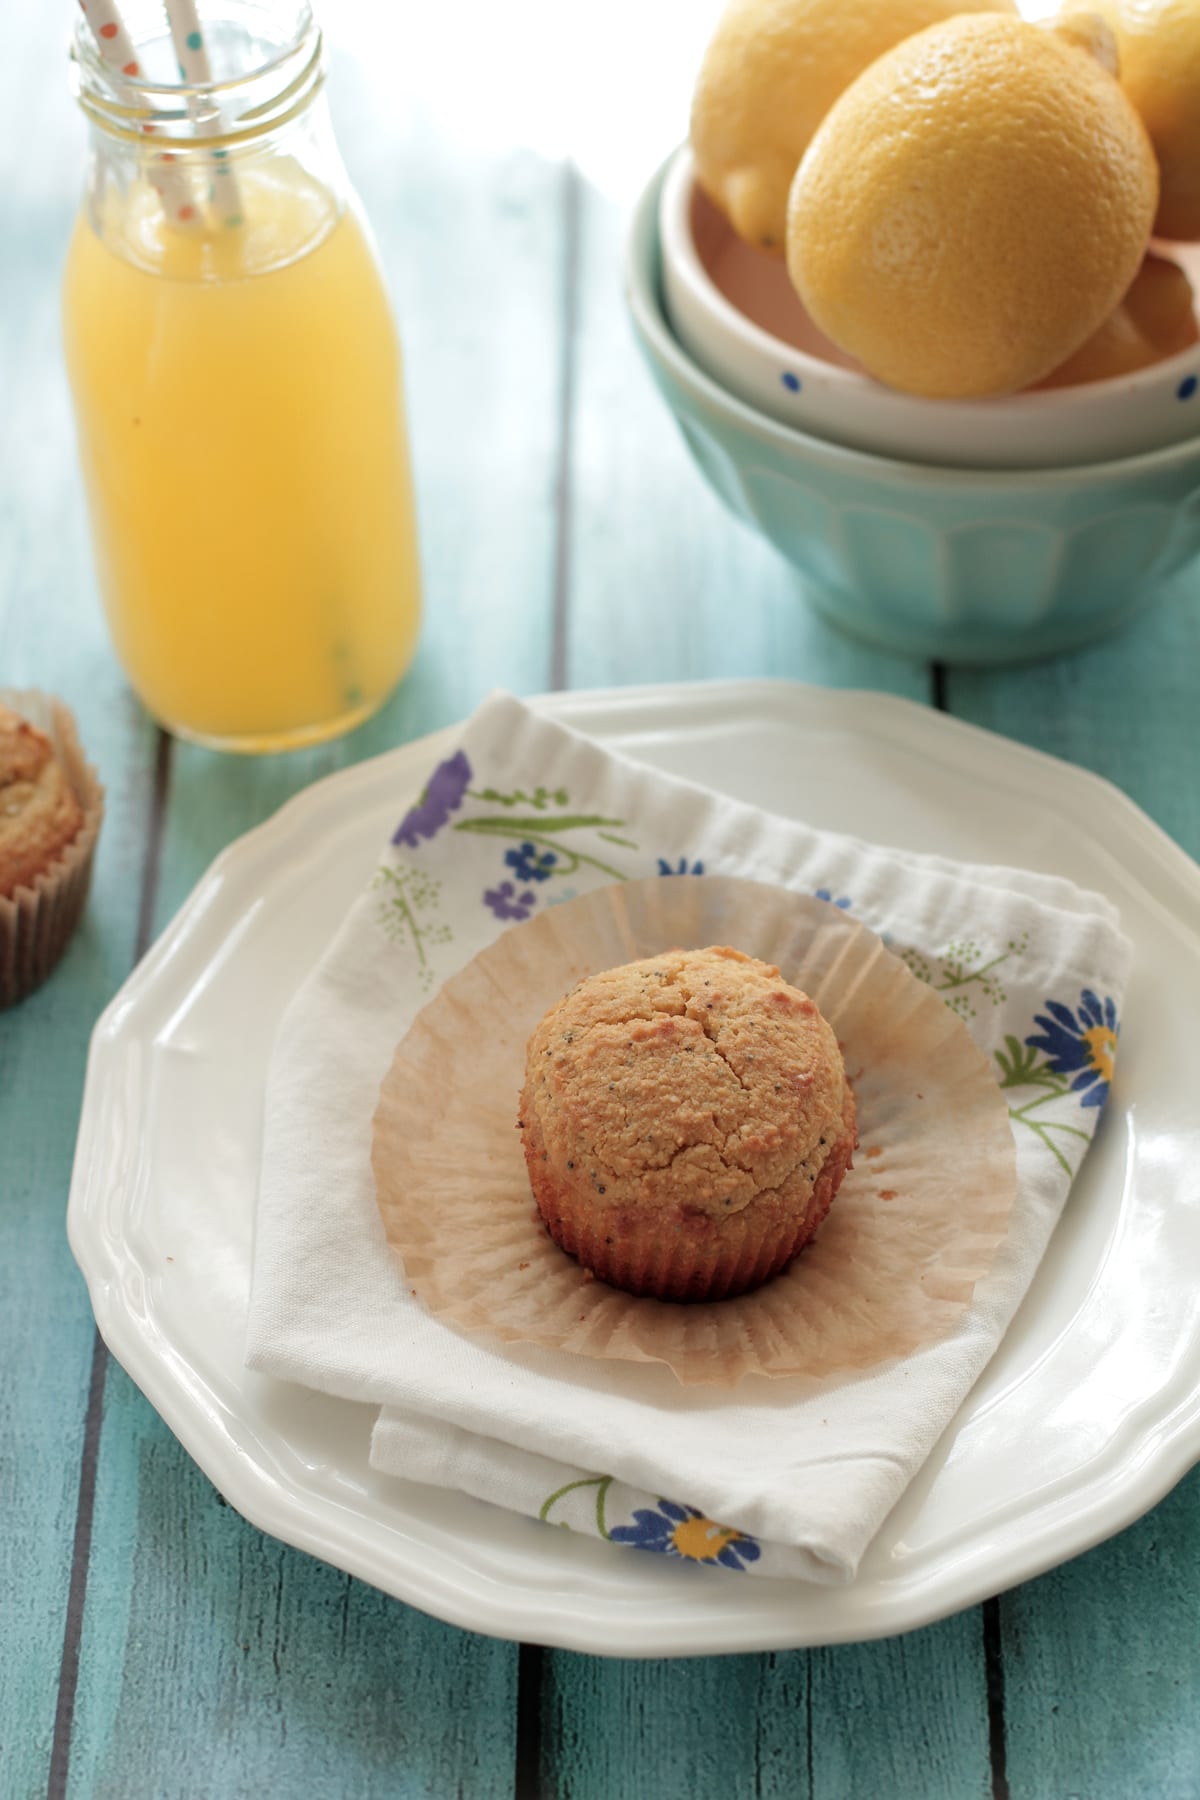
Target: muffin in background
51, 806
686, 1122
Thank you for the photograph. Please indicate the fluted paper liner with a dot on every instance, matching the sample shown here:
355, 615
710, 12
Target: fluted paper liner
36, 922
914, 1226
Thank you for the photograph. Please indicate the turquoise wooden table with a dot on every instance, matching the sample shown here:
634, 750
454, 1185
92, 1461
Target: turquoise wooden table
151, 1642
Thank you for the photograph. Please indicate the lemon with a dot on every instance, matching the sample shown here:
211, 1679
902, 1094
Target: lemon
1158, 44
1156, 319
1080, 24
770, 74
972, 208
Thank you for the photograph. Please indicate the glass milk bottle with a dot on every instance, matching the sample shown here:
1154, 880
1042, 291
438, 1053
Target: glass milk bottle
236, 378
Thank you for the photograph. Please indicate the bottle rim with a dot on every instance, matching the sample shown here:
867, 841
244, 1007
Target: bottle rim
222, 115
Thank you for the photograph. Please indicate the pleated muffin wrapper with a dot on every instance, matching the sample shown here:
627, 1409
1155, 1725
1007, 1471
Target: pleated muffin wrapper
36, 922
915, 1224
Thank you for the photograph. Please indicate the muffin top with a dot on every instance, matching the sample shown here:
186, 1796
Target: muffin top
39, 814
697, 1079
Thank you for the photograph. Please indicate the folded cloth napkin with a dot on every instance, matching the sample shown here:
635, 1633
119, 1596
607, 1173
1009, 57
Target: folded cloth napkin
772, 1477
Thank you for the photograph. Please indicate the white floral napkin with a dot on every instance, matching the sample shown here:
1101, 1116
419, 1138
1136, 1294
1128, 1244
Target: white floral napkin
780, 1477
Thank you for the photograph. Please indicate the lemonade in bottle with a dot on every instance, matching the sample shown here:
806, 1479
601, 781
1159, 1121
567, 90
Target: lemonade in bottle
236, 377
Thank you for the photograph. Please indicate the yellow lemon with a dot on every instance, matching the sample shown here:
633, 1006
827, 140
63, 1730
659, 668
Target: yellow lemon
770, 74
1158, 44
972, 208
1080, 24
1156, 319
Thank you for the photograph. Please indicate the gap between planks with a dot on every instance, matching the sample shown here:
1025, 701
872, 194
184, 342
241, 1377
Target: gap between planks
68, 1674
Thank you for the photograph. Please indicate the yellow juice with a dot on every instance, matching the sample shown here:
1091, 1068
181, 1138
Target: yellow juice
241, 428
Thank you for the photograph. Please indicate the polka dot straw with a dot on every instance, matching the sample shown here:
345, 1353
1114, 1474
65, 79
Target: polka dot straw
195, 70
117, 50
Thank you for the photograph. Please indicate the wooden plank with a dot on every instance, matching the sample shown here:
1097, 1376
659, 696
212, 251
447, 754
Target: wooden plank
216, 1661
1099, 1710
471, 243
666, 587
46, 1328
50, 637
199, 1630
1125, 708
907, 1717
1088, 1708
904, 1717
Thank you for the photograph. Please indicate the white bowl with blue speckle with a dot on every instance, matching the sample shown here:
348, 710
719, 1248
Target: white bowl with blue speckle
735, 312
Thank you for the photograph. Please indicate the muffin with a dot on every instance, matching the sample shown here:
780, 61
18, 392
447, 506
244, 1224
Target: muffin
686, 1122
50, 811
39, 814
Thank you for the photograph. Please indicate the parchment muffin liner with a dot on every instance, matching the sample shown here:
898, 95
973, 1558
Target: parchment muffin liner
915, 1225
37, 921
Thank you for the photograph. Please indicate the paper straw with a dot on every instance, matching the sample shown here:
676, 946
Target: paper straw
117, 50
195, 70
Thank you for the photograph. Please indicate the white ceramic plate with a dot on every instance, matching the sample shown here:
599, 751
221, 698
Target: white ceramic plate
1086, 1416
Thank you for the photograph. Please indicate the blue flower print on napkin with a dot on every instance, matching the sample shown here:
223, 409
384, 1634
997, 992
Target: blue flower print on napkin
680, 868
443, 795
1081, 1043
675, 1530
827, 894
528, 865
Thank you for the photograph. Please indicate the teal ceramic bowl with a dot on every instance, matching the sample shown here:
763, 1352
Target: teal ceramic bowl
953, 565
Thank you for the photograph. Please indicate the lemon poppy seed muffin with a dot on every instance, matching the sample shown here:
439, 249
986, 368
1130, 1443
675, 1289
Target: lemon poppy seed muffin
39, 813
686, 1122
51, 807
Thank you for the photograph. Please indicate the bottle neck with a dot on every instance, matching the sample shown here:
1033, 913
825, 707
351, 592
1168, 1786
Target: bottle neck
214, 157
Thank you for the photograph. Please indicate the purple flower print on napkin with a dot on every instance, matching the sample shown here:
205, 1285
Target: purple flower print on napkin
506, 903
443, 795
